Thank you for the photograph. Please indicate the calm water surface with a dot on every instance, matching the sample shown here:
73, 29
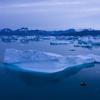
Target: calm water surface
15, 86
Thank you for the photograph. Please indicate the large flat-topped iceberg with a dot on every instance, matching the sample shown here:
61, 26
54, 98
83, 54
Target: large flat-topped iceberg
19, 56
37, 61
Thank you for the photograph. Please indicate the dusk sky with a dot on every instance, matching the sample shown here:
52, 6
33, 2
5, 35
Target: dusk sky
50, 14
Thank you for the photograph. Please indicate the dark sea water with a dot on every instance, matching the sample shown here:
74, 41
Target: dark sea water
23, 86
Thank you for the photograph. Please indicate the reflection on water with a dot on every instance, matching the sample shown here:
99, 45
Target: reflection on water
24, 86
17, 85
32, 78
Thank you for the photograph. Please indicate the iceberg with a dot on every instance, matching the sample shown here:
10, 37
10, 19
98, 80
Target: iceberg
44, 62
83, 44
59, 42
18, 56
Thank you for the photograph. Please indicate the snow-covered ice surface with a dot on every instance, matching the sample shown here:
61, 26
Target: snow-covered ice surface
95, 57
45, 62
18, 56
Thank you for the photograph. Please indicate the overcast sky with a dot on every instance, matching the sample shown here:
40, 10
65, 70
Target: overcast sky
50, 14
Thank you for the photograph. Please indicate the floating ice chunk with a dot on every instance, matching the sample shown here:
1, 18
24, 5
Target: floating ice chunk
36, 61
84, 45
58, 42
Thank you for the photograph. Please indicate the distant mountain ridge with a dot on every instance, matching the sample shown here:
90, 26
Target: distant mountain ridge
69, 32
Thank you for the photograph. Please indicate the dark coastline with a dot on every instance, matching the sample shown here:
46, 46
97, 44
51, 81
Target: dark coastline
69, 32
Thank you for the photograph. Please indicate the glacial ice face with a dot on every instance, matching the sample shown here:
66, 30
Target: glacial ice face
37, 61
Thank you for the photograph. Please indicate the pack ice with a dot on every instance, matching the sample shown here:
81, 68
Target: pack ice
45, 62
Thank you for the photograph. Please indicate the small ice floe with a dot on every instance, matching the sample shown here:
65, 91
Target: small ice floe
44, 62
83, 84
72, 50
59, 42
83, 44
